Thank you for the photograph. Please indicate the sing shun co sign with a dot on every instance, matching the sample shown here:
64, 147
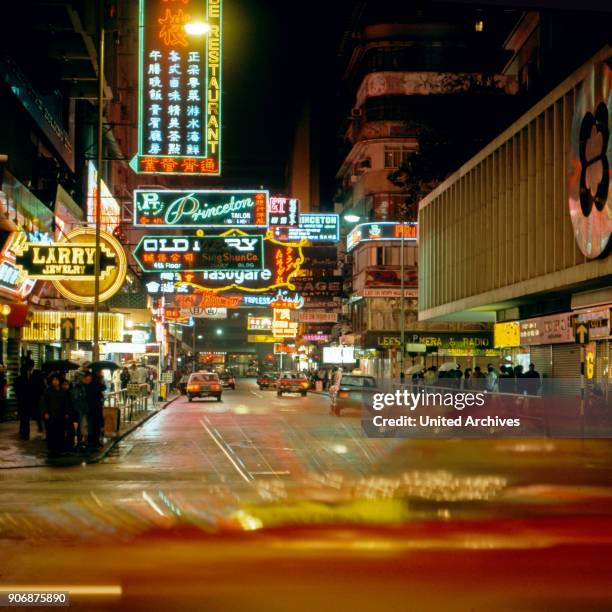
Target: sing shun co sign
179, 102
194, 209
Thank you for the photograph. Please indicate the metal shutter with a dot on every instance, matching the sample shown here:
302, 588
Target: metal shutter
566, 368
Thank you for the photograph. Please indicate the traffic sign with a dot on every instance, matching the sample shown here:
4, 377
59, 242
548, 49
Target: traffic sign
581, 333
68, 329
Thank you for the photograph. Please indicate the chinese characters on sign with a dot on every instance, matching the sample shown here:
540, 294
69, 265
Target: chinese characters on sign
195, 209
200, 253
259, 323
283, 325
284, 211
180, 88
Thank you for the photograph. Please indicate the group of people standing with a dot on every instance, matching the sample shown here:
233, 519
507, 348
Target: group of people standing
70, 412
508, 379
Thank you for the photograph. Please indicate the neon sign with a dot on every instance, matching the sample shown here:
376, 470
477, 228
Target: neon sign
200, 253
282, 324
180, 83
315, 227
282, 262
366, 232
259, 324
64, 260
195, 209
284, 211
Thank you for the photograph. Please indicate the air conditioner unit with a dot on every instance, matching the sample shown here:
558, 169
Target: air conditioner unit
356, 112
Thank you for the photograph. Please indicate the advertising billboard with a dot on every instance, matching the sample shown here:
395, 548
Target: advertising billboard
314, 227
200, 253
366, 232
180, 209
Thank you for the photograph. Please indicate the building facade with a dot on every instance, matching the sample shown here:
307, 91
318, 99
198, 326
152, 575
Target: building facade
520, 235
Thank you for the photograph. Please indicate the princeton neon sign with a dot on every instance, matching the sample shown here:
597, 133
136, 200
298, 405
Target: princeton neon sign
194, 209
180, 83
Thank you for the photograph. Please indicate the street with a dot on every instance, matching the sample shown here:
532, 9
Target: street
253, 485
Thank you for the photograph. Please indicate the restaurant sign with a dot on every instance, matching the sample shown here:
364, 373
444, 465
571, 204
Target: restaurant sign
196, 209
179, 89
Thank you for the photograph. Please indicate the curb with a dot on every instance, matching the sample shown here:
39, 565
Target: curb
110, 445
114, 441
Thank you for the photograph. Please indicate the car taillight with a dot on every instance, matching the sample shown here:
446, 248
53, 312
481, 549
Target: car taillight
192, 387
215, 387
343, 394
305, 385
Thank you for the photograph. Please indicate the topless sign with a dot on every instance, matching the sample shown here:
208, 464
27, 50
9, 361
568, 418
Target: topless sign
200, 209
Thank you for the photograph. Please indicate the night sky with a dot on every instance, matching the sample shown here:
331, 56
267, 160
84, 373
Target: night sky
277, 54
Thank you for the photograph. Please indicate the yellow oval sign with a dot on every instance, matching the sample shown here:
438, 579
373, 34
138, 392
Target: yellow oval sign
83, 291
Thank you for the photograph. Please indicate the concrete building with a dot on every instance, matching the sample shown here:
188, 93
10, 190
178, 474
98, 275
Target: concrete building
521, 234
418, 86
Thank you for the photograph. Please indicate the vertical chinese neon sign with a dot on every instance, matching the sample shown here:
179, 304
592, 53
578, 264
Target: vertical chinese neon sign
179, 96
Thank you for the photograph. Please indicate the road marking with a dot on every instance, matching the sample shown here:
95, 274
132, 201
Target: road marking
151, 503
232, 461
272, 473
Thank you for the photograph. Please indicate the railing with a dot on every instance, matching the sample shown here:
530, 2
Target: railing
129, 403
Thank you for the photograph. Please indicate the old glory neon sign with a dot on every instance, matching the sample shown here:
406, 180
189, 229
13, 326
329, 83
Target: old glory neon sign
194, 209
200, 253
180, 83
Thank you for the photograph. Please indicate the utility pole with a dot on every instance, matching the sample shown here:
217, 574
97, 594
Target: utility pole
402, 307
98, 202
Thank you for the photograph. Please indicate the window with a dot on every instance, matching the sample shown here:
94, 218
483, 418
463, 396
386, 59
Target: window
396, 155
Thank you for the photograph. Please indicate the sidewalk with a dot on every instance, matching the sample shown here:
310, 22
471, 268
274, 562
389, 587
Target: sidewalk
16, 453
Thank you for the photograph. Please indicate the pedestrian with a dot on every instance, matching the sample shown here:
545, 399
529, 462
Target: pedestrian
492, 378
71, 417
506, 379
95, 404
125, 378
531, 380
467, 375
36, 388
21, 387
55, 409
478, 378
456, 376
3, 387
80, 406
430, 376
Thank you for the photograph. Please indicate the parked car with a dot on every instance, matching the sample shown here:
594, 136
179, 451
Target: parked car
204, 384
227, 380
355, 391
251, 372
183, 384
292, 382
267, 379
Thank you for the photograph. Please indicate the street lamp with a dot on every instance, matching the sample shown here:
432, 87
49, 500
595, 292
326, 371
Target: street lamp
219, 332
350, 218
197, 28
200, 336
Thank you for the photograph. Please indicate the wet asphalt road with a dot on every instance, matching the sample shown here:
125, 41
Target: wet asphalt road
254, 461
